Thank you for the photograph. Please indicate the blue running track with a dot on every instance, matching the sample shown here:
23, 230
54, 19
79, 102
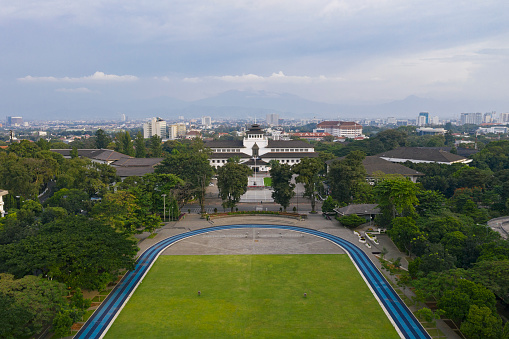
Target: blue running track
400, 316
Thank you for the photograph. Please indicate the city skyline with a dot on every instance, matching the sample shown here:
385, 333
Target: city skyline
101, 58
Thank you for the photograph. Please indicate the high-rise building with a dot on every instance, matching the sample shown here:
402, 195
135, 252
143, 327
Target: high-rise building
172, 132
504, 117
181, 130
156, 126
14, 121
435, 120
489, 117
272, 119
471, 118
423, 119
206, 121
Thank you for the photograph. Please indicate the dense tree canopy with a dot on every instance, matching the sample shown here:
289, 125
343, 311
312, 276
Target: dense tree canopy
190, 162
76, 251
232, 183
308, 172
281, 175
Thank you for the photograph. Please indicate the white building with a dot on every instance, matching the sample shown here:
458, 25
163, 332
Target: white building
471, 118
493, 129
504, 118
273, 119
347, 129
206, 122
156, 126
423, 119
2, 193
256, 150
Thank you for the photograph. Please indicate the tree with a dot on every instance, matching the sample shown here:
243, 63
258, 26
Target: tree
482, 323
457, 302
346, 175
191, 164
404, 232
281, 175
74, 153
494, 274
232, 179
101, 139
430, 202
156, 147
124, 143
352, 220
436, 259
141, 150
308, 171
396, 196
74, 201
329, 205
27, 304
120, 211
77, 251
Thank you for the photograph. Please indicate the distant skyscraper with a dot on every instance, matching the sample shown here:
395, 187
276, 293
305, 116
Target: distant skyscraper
471, 118
504, 117
273, 119
423, 119
489, 117
14, 121
435, 120
206, 121
156, 126
392, 120
122, 118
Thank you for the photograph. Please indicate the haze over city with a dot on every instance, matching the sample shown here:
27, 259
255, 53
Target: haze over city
100, 59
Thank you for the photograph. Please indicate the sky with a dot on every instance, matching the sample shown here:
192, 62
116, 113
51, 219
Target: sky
60, 53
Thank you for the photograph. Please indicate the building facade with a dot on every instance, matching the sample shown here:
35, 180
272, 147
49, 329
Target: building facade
423, 119
347, 129
272, 119
256, 150
471, 118
156, 126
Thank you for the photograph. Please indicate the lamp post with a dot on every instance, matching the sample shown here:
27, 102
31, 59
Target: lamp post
164, 208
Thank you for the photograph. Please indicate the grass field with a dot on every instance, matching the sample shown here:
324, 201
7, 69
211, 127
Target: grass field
253, 296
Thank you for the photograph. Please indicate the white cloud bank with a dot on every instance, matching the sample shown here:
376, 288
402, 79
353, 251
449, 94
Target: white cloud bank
96, 77
74, 90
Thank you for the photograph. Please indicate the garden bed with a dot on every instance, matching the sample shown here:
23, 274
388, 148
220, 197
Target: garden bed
253, 213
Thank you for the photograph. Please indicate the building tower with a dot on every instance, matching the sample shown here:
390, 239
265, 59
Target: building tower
272, 119
423, 119
206, 122
156, 126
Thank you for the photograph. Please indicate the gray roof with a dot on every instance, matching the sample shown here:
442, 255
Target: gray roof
422, 154
224, 144
299, 155
137, 162
359, 209
97, 154
224, 155
133, 171
374, 164
288, 143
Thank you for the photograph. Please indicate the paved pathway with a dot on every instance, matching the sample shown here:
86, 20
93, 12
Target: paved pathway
398, 313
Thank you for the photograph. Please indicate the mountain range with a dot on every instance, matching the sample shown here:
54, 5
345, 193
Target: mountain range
251, 104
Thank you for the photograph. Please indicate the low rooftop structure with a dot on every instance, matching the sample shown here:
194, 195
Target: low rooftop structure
422, 155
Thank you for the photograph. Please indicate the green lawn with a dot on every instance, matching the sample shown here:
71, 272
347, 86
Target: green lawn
267, 181
253, 296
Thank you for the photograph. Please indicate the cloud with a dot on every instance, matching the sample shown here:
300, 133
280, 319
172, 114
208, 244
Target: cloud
278, 77
96, 77
74, 90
